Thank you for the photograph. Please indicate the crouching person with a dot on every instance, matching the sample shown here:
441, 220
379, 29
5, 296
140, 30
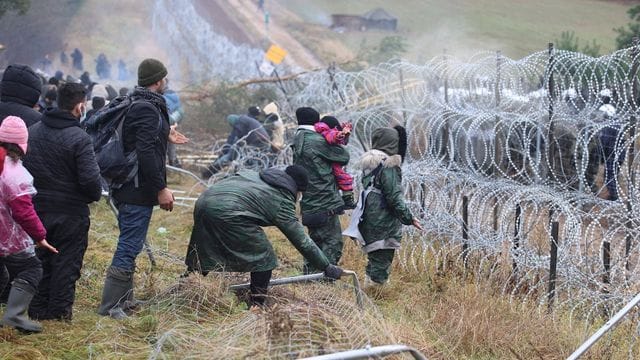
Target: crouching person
384, 210
227, 233
19, 226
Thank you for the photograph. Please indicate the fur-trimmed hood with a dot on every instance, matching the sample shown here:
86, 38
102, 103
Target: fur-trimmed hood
372, 158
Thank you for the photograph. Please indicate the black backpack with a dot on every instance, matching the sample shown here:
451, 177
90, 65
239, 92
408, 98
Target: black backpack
105, 129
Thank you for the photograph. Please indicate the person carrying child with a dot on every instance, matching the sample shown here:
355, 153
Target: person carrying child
20, 227
338, 134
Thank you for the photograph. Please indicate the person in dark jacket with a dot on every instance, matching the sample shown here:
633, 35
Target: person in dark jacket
20, 92
246, 131
322, 205
228, 219
146, 131
67, 178
76, 58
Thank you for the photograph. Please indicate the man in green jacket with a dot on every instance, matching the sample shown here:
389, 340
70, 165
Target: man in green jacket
228, 219
321, 204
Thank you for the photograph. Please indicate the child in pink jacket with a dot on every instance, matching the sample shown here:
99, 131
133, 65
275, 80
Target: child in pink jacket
338, 134
20, 227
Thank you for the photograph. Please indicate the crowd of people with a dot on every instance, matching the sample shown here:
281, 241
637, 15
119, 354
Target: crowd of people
50, 174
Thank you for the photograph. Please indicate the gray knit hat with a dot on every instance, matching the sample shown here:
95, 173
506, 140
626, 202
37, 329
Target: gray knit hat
150, 71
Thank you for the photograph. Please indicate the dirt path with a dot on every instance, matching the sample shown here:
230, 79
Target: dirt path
298, 55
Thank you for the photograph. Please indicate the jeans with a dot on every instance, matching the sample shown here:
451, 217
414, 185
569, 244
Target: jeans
56, 293
133, 221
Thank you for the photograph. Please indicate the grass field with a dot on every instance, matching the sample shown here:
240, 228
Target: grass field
444, 314
465, 27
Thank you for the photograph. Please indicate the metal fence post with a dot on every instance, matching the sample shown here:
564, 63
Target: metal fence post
465, 228
516, 239
553, 261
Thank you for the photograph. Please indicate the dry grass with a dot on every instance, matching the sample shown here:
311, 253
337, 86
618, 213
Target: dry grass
445, 314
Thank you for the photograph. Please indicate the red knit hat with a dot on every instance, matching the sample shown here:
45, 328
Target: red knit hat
14, 131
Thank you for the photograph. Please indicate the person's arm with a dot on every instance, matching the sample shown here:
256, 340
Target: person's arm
392, 192
146, 120
333, 154
24, 214
88, 170
287, 222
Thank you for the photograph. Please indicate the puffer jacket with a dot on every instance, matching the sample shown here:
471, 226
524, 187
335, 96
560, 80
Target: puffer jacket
19, 91
385, 210
145, 131
63, 164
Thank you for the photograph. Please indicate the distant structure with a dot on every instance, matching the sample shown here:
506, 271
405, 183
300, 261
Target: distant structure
377, 19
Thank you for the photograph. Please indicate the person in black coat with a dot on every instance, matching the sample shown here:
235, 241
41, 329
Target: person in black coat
67, 178
145, 131
20, 91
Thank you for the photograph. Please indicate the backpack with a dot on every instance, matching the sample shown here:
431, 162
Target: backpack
105, 129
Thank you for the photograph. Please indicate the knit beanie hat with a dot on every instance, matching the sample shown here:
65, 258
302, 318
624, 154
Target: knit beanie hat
14, 131
253, 111
150, 71
331, 122
307, 116
299, 175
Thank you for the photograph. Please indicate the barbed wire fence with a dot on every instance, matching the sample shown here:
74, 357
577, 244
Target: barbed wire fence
515, 167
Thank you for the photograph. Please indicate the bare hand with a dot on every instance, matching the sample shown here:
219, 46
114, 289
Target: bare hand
176, 137
417, 224
44, 244
165, 199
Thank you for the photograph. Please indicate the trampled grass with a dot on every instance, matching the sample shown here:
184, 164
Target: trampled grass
445, 314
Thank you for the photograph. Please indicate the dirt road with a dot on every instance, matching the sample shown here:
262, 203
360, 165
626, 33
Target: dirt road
253, 20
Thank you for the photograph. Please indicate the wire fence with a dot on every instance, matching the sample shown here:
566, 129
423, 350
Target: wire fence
519, 169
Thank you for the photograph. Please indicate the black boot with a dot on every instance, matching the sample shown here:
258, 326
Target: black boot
118, 287
17, 305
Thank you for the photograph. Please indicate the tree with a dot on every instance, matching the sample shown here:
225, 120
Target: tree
568, 41
626, 35
21, 6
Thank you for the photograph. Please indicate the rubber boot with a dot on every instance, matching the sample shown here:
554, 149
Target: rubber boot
118, 285
17, 306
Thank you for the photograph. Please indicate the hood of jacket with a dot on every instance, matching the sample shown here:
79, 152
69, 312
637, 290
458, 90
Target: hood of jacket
58, 119
372, 158
21, 85
280, 179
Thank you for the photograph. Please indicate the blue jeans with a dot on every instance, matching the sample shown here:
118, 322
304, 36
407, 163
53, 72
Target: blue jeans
133, 221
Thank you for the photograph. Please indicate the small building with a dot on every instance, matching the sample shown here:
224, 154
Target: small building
377, 19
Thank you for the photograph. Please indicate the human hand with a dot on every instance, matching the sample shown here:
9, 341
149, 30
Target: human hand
175, 137
165, 199
44, 244
417, 224
333, 272
346, 128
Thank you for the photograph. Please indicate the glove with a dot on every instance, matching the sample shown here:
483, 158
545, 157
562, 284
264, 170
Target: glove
347, 198
333, 272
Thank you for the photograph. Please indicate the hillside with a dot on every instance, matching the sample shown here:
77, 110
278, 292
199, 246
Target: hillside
465, 27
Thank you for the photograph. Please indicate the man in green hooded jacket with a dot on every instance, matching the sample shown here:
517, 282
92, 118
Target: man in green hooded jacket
227, 233
321, 204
